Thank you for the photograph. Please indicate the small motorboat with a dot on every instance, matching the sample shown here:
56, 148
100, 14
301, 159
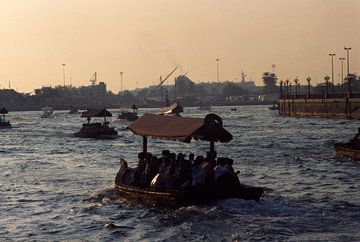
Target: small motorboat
181, 129
275, 106
174, 110
96, 130
347, 150
205, 106
127, 114
350, 149
73, 110
3, 123
47, 112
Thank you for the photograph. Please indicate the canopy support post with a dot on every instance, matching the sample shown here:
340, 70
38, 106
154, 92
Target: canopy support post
212, 146
145, 144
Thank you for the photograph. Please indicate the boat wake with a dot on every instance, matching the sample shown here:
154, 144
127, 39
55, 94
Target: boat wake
103, 195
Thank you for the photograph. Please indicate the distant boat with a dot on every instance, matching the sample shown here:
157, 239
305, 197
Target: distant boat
3, 123
128, 114
205, 106
350, 149
96, 130
73, 110
274, 107
47, 112
233, 109
174, 109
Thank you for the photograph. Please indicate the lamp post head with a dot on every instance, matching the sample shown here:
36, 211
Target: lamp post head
347, 48
296, 80
327, 78
287, 81
332, 54
308, 79
281, 82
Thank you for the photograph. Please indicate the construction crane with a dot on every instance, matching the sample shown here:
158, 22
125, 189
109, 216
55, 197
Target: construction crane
162, 81
93, 79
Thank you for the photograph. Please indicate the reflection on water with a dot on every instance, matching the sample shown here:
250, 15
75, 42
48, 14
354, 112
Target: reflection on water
55, 186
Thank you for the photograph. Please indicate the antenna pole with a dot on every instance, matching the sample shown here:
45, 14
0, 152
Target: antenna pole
64, 73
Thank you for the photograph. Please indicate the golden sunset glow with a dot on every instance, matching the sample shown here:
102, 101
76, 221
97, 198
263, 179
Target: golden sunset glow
146, 39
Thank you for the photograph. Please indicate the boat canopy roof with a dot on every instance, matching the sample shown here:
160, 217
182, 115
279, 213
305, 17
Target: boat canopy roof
96, 113
181, 128
3, 110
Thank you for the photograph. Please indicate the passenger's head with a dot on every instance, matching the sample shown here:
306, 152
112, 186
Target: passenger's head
141, 155
191, 156
180, 156
165, 153
199, 159
172, 156
148, 156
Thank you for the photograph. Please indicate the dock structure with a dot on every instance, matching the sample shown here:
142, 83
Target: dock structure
324, 105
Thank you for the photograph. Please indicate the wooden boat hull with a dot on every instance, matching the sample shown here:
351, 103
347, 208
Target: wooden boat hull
5, 125
178, 198
346, 150
112, 135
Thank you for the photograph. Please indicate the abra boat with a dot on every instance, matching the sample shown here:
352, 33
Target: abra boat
3, 123
174, 109
347, 150
350, 149
73, 110
205, 106
96, 130
127, 114
47, 112
180, 129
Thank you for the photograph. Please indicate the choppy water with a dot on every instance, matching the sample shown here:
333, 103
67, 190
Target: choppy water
54, 186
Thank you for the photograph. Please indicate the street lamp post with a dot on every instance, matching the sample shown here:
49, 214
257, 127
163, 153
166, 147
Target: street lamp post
327, 78
332, 71
296, 87
287, 88
342, 73
348, 60
64, 73
121, 80
308, 79
217, 69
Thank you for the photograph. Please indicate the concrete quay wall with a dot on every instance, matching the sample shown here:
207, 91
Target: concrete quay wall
320, 107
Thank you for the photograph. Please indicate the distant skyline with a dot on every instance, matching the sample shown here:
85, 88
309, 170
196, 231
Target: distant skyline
148, 38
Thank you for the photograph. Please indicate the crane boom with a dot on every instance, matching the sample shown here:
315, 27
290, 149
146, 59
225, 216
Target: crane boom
162, 81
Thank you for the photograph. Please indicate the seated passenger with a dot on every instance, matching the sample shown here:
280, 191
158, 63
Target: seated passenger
197, 173
122, 171
139, 169
224, 174
191, 158
160, 180
220, 168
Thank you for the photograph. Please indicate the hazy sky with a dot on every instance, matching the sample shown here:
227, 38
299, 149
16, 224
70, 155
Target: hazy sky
148, 38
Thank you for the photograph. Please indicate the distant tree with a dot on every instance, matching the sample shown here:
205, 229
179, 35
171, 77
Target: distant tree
269, 80
232, 89
143, 93
127, 97
200, 91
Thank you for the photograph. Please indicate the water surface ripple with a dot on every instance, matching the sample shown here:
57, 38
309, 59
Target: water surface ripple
55, 186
